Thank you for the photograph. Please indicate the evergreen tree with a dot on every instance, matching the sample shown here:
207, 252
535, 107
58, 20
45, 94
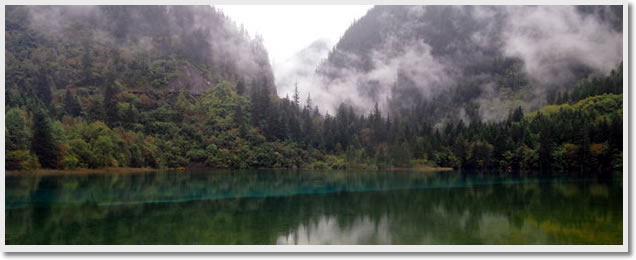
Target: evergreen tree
558, 100
131, 115
517, 115
308, 106
87, 65
264, 113
110, 103
377, 124
308, 127
240, 119
42, 86
585, 146
294, 128
42, 143
545, 144
565, 98
296, 96
95, 110
71, 104
240, 88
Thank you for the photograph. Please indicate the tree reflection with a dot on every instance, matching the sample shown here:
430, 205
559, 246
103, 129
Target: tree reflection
281, 207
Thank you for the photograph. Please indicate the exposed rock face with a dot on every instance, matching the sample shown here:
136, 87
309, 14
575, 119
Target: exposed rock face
190, 80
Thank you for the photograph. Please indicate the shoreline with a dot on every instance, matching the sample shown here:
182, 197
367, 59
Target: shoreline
422, 169
54, 172
49, 172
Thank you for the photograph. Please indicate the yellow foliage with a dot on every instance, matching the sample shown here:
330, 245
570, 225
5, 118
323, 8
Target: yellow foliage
598, 149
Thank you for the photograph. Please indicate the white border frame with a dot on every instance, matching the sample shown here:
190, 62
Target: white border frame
624, 248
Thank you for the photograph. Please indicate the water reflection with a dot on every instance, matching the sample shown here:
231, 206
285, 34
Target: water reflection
327, 231
278, 207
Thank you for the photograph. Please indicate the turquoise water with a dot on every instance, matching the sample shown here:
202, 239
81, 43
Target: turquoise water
314, 207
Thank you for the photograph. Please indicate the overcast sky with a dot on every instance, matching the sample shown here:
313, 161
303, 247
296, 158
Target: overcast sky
287, 29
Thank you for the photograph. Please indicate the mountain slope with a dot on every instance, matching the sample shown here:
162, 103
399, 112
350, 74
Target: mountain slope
153, 48
183, 87
478, 62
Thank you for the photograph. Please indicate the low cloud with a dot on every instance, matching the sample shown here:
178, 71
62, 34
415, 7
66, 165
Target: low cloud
552, 41
198, 33
413, 65
299, 70
547, 46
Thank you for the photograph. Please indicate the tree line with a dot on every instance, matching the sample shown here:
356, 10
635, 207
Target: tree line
75, 100
227, 127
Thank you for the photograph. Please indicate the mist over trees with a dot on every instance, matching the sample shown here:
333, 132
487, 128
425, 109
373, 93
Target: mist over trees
171, 87
145, 46
484, 60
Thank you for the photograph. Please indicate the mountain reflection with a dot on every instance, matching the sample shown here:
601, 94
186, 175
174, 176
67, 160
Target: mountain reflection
327, 231
280, 207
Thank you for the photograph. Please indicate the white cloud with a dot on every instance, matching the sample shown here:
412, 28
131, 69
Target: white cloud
548, 38
288, 29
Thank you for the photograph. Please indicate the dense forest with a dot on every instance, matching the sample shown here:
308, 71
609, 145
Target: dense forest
96, 87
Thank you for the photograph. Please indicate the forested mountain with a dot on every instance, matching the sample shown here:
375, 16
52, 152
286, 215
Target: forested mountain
124, 66
469, 62
143, 48
170, 87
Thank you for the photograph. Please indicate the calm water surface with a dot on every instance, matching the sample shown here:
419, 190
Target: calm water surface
314, 207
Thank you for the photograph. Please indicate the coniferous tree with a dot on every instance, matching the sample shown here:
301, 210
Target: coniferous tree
586, 135
110, 103
565, 98
585, 146
308, 106
296, 96
42, 143
517, 115
377, 124
42, 86
308, 127
260, 105
240, 88
294, 128
71, 104
545, 144
95, 110
131, 115
87, 65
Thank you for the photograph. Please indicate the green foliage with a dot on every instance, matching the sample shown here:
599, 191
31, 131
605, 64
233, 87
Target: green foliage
16, 133
82, 151
43, 88
20, 160
446, 158
197, 155
89, 104
43, 143
71, 104
591, 86
103, 150
70, 162
110, 103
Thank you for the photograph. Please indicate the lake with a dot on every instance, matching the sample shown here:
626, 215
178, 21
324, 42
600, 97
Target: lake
212, 207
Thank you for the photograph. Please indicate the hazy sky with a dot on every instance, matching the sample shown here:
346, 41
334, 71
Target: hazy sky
286, 29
